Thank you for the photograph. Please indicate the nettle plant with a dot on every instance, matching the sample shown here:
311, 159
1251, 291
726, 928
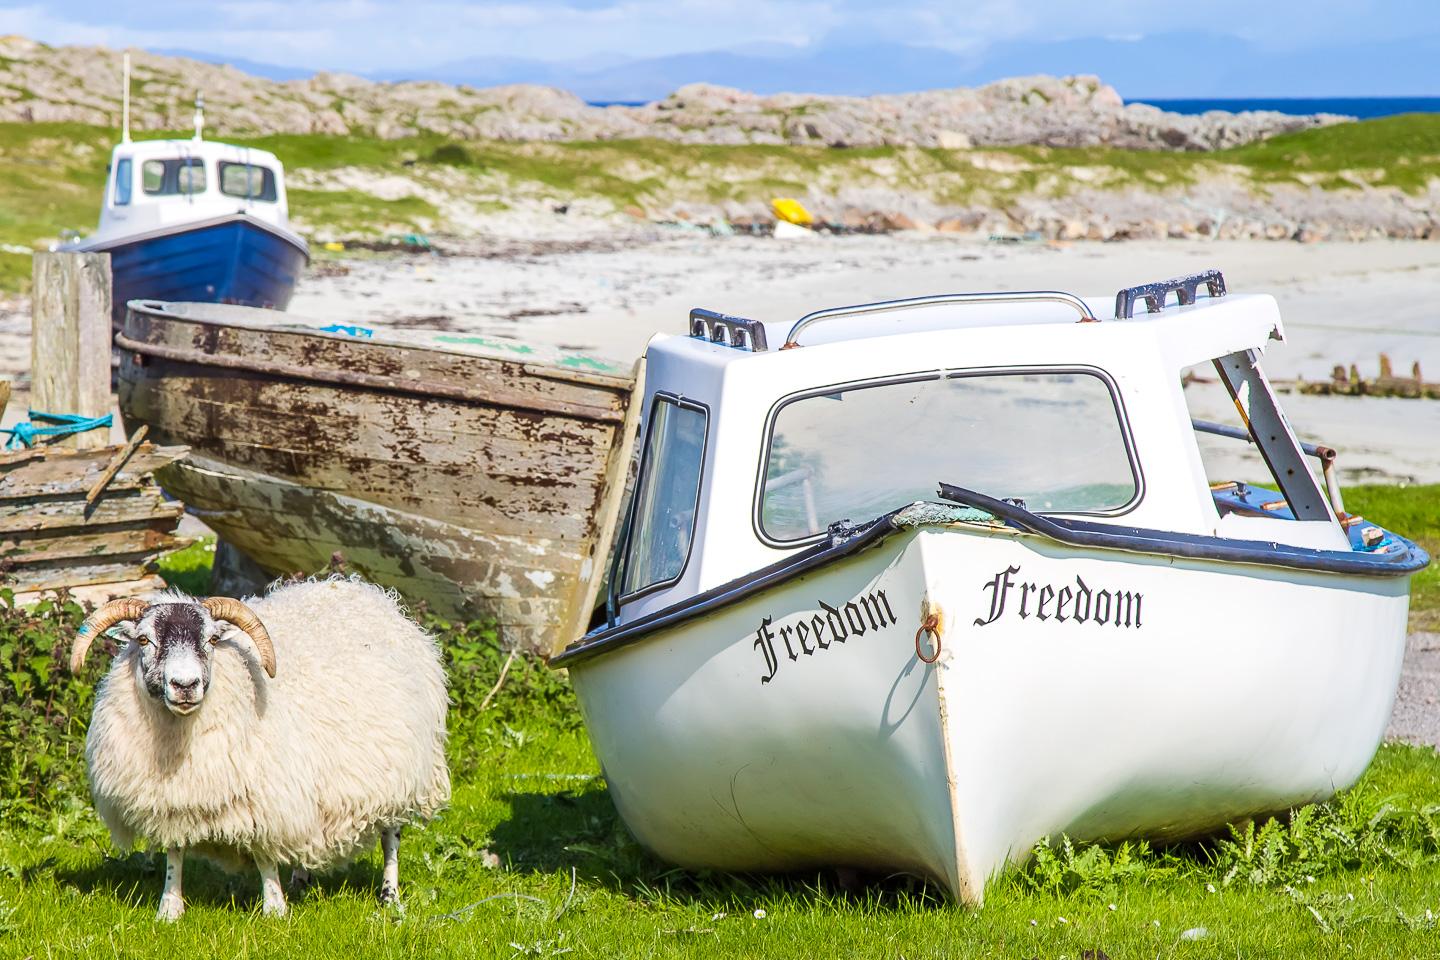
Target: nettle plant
43, 709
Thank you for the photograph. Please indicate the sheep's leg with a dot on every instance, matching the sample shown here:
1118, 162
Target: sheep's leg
390, 881
300, 880
172, 904
272, 895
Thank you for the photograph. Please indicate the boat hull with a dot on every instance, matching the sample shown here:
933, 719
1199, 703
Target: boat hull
480, 486
1169, 717
236, 260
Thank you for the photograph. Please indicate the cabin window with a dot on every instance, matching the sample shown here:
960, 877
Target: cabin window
248, 181
666, 496
1055, 439
178, 175
124, 181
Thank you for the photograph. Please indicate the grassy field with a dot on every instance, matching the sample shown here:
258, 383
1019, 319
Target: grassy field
532, 861
53, 174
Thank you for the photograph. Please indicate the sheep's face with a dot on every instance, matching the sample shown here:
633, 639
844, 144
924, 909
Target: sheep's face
176, 648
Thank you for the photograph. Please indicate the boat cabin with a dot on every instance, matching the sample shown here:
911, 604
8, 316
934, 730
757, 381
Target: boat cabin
759, 438
158, 184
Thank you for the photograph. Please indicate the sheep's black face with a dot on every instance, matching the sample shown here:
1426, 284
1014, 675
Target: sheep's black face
175, 654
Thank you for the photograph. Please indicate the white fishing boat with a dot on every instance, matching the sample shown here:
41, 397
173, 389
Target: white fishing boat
942, 577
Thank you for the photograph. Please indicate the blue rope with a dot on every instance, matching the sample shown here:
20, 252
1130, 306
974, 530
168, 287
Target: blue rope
61, 425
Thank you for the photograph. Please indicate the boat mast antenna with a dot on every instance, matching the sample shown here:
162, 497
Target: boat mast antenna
125, 102
199, 112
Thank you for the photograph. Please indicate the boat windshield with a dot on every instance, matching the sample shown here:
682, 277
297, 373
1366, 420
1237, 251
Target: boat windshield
1055, 439
175, 175
666, 496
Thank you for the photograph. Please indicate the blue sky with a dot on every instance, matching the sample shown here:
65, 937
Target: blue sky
395, 36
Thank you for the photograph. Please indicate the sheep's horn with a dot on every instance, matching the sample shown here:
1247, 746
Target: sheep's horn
104, 617
233, 611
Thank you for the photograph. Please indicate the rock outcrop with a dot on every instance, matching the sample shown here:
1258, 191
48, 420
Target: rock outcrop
83, 84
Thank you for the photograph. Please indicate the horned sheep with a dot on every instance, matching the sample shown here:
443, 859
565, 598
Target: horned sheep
290, 729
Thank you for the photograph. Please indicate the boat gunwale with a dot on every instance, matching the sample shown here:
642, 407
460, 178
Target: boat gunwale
155, 309
94, 245
1015, 521
350, 378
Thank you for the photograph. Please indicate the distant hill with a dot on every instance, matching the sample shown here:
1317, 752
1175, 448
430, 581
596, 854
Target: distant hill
1161, 65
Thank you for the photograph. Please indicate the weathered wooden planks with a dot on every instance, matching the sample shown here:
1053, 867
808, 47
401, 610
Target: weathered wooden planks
48, 472
70, 339
50, 537
476, 483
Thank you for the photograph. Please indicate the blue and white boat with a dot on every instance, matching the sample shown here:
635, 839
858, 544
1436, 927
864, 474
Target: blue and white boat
197, 220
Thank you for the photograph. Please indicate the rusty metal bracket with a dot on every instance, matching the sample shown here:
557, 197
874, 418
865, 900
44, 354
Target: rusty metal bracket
1326, 456
1154, 294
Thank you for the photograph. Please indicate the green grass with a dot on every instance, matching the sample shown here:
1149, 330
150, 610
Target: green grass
189, 569
1413, 512
532, 860
53, 173
1401, 151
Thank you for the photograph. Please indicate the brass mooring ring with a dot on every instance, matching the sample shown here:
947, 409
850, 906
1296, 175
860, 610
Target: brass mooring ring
930, 625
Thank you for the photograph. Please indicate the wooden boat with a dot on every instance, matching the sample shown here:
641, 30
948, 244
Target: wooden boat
91, 521
821, 653
471, 474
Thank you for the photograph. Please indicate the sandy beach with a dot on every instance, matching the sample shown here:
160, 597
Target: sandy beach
607, 293
1341, 303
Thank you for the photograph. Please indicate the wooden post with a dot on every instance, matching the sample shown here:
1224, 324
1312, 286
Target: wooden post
70, 339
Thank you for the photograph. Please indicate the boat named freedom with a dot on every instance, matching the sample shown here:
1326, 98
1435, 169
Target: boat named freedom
945, 577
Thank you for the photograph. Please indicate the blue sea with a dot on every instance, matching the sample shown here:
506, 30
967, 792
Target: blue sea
1362, 107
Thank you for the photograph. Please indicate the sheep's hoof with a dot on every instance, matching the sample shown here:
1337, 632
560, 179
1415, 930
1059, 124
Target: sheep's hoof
272, 908
170, 909
389, 896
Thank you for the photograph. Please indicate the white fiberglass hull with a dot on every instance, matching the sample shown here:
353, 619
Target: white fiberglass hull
1156, 696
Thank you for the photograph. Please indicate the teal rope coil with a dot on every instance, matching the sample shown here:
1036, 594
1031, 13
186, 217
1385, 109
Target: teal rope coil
51, 426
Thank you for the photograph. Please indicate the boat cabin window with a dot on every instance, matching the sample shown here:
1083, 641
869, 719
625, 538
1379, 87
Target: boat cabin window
178, 175
248, 181
1054, 439
124, 180
666, 496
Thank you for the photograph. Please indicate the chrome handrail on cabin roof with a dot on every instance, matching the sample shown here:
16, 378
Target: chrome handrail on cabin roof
1027, 296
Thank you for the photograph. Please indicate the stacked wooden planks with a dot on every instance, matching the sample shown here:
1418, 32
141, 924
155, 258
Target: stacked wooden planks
51, 537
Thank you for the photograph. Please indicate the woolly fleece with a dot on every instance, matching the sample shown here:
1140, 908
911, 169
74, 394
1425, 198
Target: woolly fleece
304, 769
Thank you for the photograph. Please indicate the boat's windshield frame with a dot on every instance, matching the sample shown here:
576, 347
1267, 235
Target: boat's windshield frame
620, 568
943, 373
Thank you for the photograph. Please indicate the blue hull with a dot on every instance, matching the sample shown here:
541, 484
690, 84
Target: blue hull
231, 262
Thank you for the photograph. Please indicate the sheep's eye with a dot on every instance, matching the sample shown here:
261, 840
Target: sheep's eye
142, 640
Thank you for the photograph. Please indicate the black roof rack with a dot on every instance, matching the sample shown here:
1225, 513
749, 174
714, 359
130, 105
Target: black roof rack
1154, 294
737, 332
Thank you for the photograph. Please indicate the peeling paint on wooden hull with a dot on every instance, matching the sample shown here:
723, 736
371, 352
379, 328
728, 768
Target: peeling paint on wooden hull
476, 483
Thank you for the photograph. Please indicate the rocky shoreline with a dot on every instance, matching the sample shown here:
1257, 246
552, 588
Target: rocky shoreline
40, 83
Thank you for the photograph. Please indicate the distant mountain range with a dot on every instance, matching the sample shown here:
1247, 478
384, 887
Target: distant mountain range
1160, 66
